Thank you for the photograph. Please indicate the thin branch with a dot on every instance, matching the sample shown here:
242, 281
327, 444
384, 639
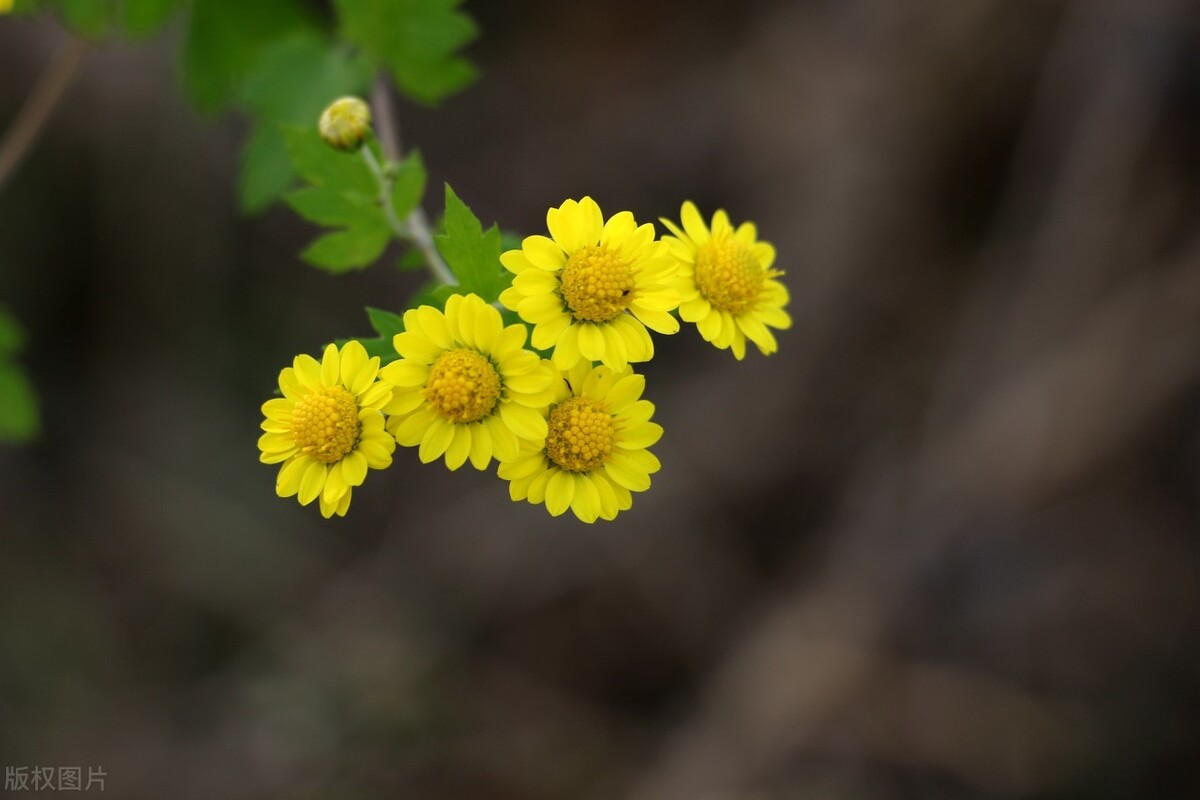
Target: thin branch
415, 226
39, 106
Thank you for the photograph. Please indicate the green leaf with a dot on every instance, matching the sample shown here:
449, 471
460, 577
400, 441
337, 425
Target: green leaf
408, 184
321, 165
19, 419
470, 252
417, 40
386, 323
334, 209
12, 335
353, 248
291, 82
226, 37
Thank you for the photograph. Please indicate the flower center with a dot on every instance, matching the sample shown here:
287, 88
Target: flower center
728, 275
463, 386
325, 424
581, 434
597, 284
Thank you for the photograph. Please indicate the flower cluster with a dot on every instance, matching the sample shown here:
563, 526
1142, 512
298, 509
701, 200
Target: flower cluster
562, 414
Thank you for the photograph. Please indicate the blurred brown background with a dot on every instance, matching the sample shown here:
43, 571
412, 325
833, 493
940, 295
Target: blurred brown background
943, 545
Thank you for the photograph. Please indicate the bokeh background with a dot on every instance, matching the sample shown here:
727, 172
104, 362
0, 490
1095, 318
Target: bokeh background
945, 544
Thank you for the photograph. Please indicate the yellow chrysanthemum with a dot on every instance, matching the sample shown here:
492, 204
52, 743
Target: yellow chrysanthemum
5, 6
593, 287
465, 386
328, 428
726, 283
594, 455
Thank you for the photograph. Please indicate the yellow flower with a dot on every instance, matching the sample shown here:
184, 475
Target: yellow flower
593, 287
726, 283
5, 6
594, 454
327, 429
465, 386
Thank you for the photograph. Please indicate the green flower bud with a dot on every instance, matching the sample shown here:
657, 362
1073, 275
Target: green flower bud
346, 123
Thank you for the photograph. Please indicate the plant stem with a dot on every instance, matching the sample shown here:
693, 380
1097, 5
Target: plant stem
39, 106
415, 227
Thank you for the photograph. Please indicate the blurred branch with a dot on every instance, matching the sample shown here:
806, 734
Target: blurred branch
39, 106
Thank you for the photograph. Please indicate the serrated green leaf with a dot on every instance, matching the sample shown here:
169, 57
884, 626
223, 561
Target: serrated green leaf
408, 184
12, 335
386, 323
472, 254
226, 37
19, 418
417, 40
322, 166
352, 248
332, 208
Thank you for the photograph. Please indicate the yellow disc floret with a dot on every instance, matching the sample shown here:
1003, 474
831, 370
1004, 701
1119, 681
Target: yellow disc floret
597, 284
728, 274
325, 424
581, 434
463, 385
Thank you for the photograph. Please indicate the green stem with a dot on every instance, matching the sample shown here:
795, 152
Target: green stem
415, 227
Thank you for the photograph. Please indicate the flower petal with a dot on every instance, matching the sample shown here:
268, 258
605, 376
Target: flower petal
523, 421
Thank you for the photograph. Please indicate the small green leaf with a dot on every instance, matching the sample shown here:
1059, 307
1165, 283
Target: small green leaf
418, 40
19, 419
292, 80
353, 248
386, 323
226, 37
471, 253
411, 260
334, 209
408, 184
89, 18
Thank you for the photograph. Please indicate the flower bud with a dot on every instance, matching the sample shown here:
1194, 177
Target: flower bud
345, 124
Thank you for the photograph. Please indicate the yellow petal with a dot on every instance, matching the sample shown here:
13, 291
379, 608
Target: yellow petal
523, 421
481, 446
312, 482
693, 223
460, 447
543, 253
434, 325
438, 436
624, 392
505, 444
586, 502
416, 347
591, 341
641, 435
288, 481
353, 358
330, 366
354, 467
560, 491
405, 373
